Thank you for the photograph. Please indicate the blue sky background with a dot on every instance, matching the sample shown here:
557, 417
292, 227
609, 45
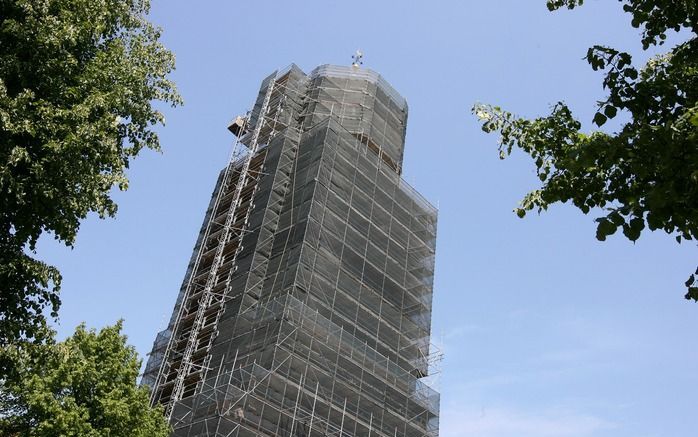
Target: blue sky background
546, 331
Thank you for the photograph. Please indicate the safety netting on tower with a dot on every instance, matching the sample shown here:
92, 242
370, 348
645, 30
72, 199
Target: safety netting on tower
319, 320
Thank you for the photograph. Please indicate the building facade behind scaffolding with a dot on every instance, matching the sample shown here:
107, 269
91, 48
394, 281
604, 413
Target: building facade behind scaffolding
306, 307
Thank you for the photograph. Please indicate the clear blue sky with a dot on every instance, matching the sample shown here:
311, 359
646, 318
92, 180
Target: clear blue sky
546, 331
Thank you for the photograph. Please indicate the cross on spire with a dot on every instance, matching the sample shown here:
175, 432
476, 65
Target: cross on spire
357, 59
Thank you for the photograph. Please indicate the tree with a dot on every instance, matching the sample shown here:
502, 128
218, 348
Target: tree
646, 174
77, 82
84, 386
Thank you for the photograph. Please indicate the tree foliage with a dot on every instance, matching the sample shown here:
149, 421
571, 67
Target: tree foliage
77, 82
84, 386
646, 174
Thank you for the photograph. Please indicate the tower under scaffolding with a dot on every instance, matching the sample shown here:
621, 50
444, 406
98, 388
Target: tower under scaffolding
306, 307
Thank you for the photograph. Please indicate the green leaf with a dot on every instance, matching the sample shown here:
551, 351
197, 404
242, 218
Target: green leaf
604, 229
616, 218
694, 118
610, 111
599, 119
633, 229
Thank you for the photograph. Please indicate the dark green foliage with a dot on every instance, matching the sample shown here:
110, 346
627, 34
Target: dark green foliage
77, 82
656, 17
645, 175
84, 386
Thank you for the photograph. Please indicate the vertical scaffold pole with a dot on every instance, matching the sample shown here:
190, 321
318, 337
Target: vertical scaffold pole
312, 413
344, 412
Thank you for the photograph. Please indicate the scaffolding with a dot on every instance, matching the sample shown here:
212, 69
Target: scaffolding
320, 360
306, 308
186, 354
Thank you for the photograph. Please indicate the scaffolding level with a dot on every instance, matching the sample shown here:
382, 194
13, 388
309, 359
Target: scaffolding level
306, 307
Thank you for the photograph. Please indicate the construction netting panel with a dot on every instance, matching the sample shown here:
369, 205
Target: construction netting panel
314, 378
363, 105
322, 303
370, 267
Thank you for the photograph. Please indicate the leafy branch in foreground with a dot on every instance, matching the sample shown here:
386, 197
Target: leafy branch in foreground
83, 386
646, 174
77, 82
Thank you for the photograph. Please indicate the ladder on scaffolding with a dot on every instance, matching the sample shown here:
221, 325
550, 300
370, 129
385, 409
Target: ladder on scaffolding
208, 297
